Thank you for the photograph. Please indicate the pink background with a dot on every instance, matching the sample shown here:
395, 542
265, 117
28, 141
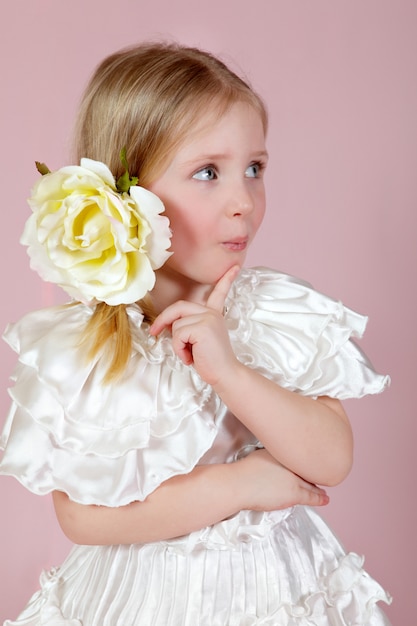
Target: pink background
340, 80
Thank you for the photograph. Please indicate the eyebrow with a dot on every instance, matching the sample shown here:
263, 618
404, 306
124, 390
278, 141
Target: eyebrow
209, 157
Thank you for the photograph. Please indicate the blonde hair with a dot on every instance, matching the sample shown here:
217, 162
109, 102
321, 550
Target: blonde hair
147, 98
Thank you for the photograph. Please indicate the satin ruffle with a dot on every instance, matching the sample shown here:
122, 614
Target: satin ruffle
298, 337
101, 444
292, 573
114, 444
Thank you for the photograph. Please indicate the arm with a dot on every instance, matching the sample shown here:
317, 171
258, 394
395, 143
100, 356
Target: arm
311, 437
209, 494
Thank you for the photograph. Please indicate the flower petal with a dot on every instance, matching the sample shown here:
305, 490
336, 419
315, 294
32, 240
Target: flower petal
93, 241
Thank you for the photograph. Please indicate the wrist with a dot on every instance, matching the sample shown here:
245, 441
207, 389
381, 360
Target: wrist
231, 379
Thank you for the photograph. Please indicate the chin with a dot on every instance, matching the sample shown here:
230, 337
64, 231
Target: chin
216, 276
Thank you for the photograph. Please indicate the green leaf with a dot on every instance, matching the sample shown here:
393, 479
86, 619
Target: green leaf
123, 158
42, 168
125, 181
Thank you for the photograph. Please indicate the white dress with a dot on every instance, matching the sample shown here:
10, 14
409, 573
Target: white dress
111, 445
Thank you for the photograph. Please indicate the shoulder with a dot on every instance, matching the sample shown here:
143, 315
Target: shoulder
264, 294
55, 333
281, 292
298, 336
130, 433
58, 326
47, 342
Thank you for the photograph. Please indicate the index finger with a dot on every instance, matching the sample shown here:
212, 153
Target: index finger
218, 296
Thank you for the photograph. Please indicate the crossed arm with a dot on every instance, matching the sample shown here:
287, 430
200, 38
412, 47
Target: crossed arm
307, 441
209, 494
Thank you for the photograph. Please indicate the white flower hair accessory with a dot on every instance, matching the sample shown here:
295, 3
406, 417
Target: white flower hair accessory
97, 238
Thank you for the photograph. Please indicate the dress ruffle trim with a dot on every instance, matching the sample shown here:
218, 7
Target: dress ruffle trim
112, 444
348, 594
298, 337
43, 608
101, 444
245, 526
66, 395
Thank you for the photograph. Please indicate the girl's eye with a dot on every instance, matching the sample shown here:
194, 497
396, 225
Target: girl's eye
207, 173
254, 170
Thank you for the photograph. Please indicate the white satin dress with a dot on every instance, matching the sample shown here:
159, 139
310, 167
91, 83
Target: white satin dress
111, 445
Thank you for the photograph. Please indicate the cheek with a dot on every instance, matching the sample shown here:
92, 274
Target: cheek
260, 212
189, 219
186, 230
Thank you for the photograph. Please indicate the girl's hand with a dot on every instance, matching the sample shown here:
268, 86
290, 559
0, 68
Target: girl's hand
270, 486
199, 334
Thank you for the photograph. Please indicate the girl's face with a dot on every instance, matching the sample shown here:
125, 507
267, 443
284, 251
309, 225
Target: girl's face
214, 196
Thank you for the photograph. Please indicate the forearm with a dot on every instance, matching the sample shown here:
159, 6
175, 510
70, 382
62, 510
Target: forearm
311, 437
209, 494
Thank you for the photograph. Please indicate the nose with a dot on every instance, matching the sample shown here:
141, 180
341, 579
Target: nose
241, 200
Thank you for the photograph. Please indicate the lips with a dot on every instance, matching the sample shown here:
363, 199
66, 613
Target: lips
237, 245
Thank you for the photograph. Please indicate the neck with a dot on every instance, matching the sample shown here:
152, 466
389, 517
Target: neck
171, 286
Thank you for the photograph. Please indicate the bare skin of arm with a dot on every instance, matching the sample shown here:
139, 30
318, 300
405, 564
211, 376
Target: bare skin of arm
312, 437
183, 504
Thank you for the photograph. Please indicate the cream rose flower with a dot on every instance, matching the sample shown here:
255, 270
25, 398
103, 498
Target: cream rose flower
96, 243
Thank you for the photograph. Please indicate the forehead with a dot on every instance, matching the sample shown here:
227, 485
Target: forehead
240, 124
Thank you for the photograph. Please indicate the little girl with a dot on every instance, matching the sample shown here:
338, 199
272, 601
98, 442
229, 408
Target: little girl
181, 409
